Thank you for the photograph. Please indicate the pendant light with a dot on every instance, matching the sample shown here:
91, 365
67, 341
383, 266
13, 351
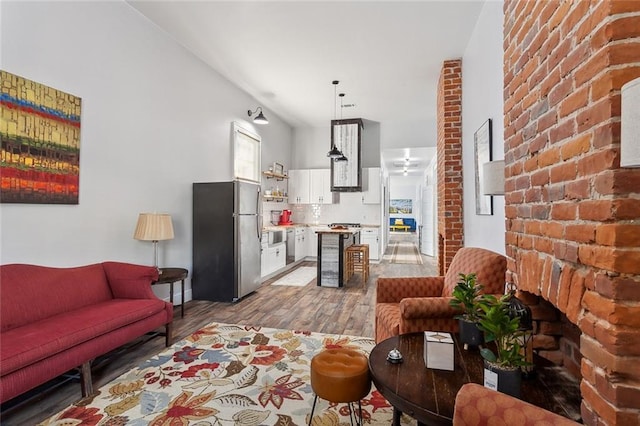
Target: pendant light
334, 153
342, 156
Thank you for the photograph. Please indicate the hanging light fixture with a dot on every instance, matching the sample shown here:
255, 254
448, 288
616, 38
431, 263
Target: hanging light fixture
334, 153
342, 156
260, 118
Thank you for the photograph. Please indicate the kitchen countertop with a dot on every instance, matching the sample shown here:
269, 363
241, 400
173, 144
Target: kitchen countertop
326, 225
338, 231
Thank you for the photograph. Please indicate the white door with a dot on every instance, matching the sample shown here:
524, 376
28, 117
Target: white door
428, 222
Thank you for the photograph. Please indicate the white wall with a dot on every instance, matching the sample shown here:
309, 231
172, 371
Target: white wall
310, 147
154, 120
482, 88
311, 144
309, 151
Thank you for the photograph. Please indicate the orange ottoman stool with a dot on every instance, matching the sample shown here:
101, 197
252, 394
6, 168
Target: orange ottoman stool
340, 375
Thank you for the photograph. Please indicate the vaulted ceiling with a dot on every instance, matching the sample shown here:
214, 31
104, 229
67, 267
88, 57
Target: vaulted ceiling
387, 55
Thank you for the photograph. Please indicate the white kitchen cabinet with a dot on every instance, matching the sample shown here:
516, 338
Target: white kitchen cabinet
301, 243
371, 190
273, 258
312, 239
320, 186
371, 236
310, 186
299, 186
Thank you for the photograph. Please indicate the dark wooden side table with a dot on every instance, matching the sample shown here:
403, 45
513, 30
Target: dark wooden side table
428, 395
170, 276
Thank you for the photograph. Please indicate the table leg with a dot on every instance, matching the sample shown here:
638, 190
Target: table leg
171, 292
182, 299
396, 417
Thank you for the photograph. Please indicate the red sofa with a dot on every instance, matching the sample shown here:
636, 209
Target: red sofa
53, 320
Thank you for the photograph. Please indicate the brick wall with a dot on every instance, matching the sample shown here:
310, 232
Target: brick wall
449, 148
573, 215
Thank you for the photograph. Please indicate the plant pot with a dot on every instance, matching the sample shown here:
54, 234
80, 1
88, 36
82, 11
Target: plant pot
503, 380
470, 334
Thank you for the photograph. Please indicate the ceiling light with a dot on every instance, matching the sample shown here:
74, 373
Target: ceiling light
260, 118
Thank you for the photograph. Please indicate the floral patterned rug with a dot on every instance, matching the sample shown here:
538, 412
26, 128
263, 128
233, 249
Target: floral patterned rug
226, 374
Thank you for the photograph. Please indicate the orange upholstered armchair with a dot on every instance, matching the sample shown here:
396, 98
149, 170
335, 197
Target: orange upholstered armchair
477, 405
406, 305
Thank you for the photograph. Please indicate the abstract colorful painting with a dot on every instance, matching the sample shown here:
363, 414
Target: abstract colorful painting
40, 134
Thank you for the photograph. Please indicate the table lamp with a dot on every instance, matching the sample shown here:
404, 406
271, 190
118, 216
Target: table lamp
154, 227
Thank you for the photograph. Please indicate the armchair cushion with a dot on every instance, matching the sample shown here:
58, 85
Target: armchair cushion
476, 405
393, 290
427, 307
411, 304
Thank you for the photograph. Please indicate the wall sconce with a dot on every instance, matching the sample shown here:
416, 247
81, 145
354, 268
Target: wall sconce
630, 122
493, 178
260, 118
154, 227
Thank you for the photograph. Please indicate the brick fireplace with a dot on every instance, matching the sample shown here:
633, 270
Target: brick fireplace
573, 215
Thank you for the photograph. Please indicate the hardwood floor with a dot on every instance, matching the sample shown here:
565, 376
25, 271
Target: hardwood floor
347, 310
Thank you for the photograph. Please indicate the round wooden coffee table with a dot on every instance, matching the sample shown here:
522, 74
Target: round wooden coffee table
429, 395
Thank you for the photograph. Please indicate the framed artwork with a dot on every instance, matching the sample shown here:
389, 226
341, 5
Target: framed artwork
40, 134
401, 206
482, 150
278, 168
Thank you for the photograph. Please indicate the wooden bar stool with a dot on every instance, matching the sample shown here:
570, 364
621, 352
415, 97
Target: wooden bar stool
357, 261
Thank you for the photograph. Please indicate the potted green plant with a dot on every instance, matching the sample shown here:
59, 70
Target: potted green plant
503, 365
468, 297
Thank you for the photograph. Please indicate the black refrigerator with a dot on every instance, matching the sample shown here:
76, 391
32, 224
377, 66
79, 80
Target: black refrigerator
226, 240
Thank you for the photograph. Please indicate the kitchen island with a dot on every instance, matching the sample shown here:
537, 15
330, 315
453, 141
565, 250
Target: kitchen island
331, 246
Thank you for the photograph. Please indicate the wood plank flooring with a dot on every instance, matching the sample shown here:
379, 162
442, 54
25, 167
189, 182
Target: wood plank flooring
347, 310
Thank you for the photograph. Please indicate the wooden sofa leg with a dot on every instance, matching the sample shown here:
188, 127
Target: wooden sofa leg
168, 334
85, 379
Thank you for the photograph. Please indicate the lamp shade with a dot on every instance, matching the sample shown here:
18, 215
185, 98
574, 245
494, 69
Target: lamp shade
260, 119
334, 153
630, 125
153, 227
493, 178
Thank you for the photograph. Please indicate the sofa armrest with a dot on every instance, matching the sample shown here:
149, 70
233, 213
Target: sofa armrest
393, 290
480, 405
427, 307
129, 281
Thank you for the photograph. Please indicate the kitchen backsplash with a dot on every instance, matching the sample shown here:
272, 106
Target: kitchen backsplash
350, 209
